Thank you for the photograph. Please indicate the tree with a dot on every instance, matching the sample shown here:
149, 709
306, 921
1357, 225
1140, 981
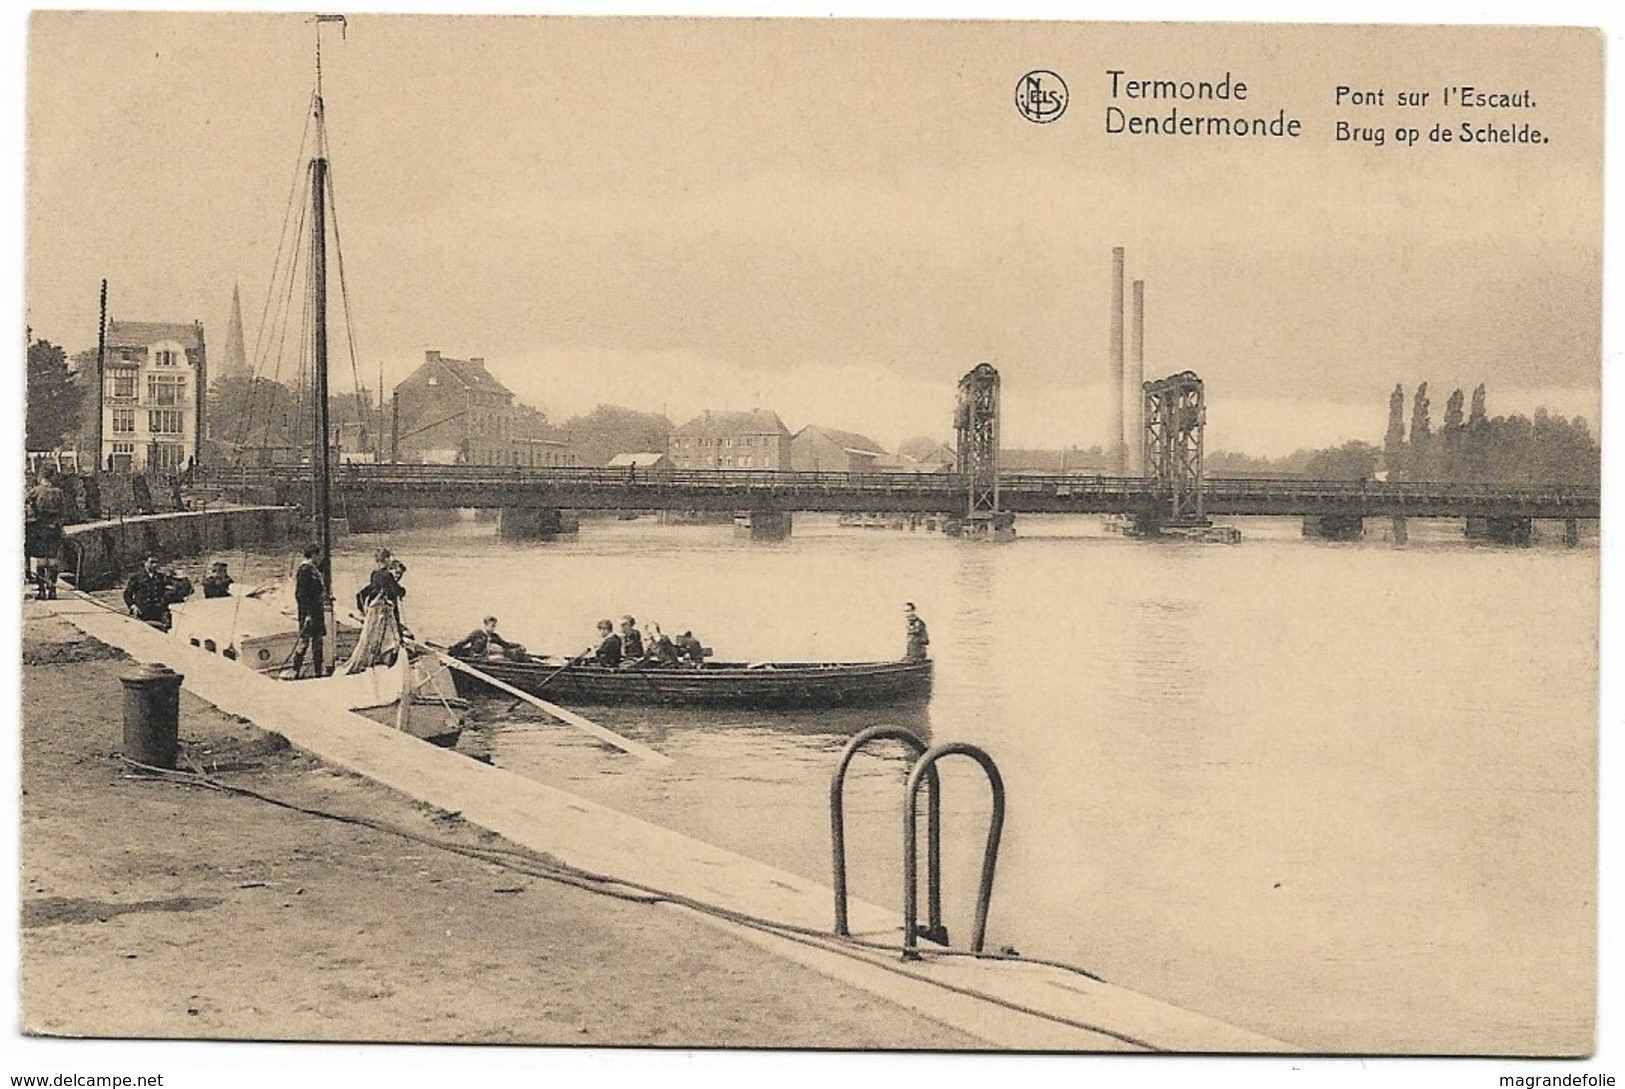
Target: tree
611, 429
1354, 460
1455, 430
54, 399
1393, 443
1420, 462
1475, 447
257, 412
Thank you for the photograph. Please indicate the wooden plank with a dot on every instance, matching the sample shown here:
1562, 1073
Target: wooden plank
570, 718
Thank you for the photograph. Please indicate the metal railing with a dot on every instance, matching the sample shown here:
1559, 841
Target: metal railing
1044, 491
935, 931
926, 768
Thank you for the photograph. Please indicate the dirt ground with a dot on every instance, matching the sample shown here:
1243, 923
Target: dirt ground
151, 909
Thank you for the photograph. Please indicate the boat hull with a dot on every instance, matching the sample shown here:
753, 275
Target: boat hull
262, 638
774, 685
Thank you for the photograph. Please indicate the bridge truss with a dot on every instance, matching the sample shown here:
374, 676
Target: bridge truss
1175, 414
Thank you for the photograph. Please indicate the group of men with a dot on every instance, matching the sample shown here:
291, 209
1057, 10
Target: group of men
651, 647
154, 588
621, 649
628, 647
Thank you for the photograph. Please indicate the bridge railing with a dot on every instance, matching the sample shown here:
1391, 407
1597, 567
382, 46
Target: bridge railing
1075, 485
579, 476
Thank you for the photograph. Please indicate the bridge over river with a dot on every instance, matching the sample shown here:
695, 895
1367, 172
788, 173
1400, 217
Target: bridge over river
768, 493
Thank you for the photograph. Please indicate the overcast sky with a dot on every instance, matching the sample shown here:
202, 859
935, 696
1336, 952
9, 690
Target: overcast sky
837, 219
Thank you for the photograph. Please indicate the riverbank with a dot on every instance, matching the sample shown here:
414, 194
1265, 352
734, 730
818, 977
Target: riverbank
156, 910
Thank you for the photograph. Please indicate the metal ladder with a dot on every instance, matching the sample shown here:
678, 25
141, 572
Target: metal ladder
922, 773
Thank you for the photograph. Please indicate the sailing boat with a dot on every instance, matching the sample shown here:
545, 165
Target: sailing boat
384, 676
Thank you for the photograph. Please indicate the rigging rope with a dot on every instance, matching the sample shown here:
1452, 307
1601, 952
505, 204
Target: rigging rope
257, 360
344, 294
521, 860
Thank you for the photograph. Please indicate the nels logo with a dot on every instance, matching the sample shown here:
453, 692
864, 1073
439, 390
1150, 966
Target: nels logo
1041, 96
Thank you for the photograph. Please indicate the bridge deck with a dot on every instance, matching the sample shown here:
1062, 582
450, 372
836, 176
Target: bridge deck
745, 489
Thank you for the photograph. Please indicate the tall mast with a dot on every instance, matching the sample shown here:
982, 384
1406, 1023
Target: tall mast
320, 468
97, 438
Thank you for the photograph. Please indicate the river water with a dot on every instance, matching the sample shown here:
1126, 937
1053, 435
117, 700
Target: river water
1342, 794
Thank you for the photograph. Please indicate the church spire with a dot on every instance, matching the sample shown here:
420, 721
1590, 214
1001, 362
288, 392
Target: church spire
236, 361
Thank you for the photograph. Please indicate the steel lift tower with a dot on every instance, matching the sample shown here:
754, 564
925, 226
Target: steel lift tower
976, 418
1175, 414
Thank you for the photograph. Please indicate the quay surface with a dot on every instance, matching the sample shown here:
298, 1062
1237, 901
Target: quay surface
999, 1004
151, 910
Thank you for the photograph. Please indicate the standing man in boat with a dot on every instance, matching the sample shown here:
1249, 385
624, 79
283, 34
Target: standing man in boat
918, 637
310, 595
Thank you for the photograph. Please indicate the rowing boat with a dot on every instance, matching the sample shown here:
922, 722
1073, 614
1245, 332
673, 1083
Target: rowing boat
717, 684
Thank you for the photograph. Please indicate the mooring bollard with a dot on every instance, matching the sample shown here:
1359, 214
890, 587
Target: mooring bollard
152, 715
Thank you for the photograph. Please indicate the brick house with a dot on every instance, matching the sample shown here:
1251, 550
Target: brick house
731, 440
454, 411
824, 449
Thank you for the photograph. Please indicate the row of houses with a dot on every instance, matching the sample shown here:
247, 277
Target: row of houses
154, 417
759, 440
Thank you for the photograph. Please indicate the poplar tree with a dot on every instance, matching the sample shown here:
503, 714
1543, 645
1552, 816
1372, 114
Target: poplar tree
1393, 444
1420, 460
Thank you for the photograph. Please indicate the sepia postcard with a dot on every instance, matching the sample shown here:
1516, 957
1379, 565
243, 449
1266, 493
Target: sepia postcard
809, 534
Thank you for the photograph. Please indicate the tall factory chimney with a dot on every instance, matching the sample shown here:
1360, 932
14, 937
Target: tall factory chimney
1136, 384
1114, 424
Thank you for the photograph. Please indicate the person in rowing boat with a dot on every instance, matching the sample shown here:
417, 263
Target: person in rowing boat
484, 642
309, 595
658, 650
689, 649
918, 638
631, 640
608, 651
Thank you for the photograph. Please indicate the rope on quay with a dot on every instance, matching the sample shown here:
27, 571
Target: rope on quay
533, 864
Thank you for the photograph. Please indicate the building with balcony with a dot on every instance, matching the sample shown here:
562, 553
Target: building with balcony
153, 396
731, 440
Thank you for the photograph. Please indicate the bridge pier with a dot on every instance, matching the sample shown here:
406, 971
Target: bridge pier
1334, 527
1402, 533
526, 523
768, 525
1000, 527
1500, 530
1571, 532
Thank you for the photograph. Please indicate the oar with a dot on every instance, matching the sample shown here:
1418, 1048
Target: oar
570, 718
565, 666
438, 647
555, 673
